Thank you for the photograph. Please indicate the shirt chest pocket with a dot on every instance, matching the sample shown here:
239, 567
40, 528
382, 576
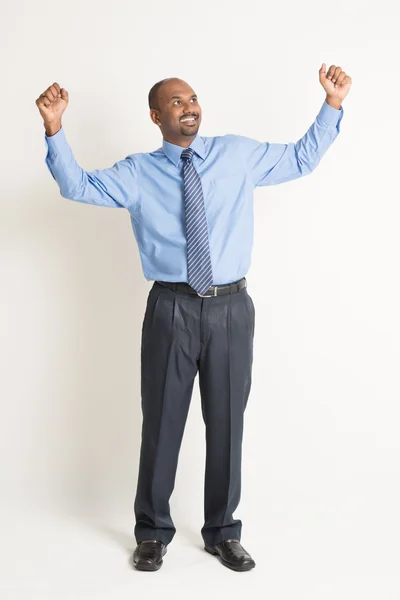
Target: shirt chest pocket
226, 189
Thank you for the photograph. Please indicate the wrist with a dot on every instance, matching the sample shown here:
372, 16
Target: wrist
334, 102
52, 128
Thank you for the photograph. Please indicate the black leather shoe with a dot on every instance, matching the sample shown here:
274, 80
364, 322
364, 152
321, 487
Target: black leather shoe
148, 555
232, 555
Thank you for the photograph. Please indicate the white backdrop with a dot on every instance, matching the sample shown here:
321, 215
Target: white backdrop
321, 454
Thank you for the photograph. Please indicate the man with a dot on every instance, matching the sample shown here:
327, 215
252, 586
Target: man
190, 203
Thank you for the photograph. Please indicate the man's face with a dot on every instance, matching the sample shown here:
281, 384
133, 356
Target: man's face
179, 113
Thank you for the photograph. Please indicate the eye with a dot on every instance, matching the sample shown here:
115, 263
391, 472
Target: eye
194, 98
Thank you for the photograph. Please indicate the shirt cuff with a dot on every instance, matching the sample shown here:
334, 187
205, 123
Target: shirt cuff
56, 143
330, 115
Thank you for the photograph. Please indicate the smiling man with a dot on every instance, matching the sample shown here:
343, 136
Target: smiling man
191, 209
167, 101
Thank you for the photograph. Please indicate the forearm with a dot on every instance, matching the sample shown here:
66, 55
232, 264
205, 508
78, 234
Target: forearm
113, 187
274, 163
61, 162
334, 102
310, 149
52, 128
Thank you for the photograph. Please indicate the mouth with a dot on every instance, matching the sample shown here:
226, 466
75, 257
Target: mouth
190, 120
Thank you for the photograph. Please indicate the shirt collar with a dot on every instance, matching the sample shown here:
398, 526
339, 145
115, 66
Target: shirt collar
173, 152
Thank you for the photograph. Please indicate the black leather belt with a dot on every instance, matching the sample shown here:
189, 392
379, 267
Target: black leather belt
213, 290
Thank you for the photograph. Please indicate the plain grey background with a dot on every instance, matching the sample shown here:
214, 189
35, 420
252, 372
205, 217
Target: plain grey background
321, 454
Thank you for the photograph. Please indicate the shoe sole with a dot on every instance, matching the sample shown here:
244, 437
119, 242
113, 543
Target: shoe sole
147, 566
242, 568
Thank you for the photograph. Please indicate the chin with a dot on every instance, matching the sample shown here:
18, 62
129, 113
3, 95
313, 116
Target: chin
190, 132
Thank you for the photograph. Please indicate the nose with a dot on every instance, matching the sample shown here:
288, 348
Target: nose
187, 108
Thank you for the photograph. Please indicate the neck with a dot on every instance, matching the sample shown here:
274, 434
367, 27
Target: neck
183, 141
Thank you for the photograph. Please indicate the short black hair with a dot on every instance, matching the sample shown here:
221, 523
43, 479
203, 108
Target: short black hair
153, 93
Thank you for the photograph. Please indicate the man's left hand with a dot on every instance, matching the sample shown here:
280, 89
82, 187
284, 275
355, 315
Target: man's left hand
335, 82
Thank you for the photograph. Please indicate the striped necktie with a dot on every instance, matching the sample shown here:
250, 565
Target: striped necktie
200, 275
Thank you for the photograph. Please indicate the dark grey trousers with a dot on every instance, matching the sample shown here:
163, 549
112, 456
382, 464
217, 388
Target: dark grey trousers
184, 334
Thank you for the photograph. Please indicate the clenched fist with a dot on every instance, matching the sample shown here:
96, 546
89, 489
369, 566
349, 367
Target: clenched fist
52, 103
335, 82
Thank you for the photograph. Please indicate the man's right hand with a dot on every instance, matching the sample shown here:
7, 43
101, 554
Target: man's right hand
51, 104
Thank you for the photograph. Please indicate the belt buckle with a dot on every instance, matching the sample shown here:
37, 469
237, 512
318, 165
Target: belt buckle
208, 295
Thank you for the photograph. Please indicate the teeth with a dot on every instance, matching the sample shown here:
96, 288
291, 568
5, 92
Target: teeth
189, 119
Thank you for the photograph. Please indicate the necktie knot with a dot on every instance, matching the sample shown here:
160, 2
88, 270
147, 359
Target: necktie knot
187, 154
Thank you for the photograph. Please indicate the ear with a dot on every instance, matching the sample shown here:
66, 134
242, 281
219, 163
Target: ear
154, 116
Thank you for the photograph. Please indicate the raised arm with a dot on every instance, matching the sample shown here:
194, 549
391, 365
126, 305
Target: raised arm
114, 187
274, 163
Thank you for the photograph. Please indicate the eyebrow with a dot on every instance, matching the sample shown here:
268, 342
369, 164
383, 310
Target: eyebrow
172, 97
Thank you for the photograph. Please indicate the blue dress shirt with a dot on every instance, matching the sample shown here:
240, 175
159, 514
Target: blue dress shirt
150, 186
